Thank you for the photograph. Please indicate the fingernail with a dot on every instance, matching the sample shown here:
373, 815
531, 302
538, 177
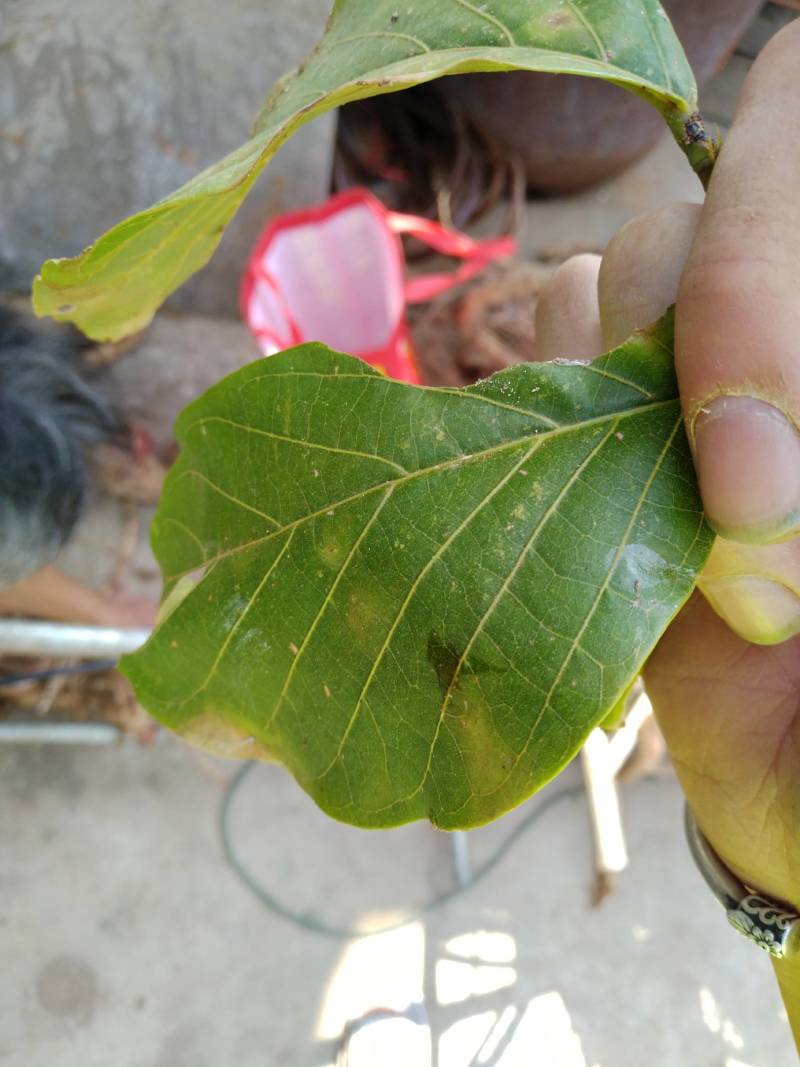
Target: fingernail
747, 456
757, 609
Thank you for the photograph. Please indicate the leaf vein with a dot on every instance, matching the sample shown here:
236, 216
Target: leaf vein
504, 585
657, 44
192, 473
326, 604
446, 464
490, 19
460, 394
380, 33
299, 441
601, 591
400, 615
234, 628
190, 533
603, 373
591, 31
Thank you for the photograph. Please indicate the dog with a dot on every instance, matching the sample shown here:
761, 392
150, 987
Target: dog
49, 419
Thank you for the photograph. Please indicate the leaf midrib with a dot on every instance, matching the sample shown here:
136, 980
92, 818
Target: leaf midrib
465, 460
540, 526
574, 642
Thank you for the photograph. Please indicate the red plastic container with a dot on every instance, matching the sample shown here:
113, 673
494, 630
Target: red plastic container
336, 273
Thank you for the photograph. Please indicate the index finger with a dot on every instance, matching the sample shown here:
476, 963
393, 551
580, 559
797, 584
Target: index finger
738, 312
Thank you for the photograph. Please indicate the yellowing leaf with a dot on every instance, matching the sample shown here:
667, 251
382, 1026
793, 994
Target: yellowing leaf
115, 286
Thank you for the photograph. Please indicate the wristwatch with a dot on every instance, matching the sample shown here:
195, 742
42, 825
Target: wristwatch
769, 924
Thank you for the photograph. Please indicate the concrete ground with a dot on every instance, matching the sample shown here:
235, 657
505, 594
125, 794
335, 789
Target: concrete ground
128, 942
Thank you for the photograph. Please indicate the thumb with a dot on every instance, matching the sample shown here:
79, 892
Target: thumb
738, 312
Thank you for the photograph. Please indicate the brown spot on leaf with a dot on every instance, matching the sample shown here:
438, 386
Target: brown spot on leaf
444, 659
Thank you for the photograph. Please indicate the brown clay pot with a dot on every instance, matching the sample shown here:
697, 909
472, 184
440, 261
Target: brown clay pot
572, 132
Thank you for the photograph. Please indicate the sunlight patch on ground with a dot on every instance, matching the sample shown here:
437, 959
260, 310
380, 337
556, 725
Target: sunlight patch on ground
460, 1042
381, 971
391, 1042
384, 974
457, 981
490, 946
716, 1023
544, 1033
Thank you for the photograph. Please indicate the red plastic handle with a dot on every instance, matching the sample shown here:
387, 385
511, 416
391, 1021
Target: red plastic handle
476, 254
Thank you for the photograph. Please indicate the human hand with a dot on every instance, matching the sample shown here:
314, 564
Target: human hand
729, 709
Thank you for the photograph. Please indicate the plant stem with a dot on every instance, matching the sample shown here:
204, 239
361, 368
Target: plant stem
787, 971
689, 130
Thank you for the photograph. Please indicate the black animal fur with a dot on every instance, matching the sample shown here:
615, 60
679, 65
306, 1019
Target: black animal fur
48, 418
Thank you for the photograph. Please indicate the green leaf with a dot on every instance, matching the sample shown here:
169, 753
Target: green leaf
419, 600
370, 46
617, 715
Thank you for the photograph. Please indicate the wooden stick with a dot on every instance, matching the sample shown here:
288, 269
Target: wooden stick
611, 854
622, 743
